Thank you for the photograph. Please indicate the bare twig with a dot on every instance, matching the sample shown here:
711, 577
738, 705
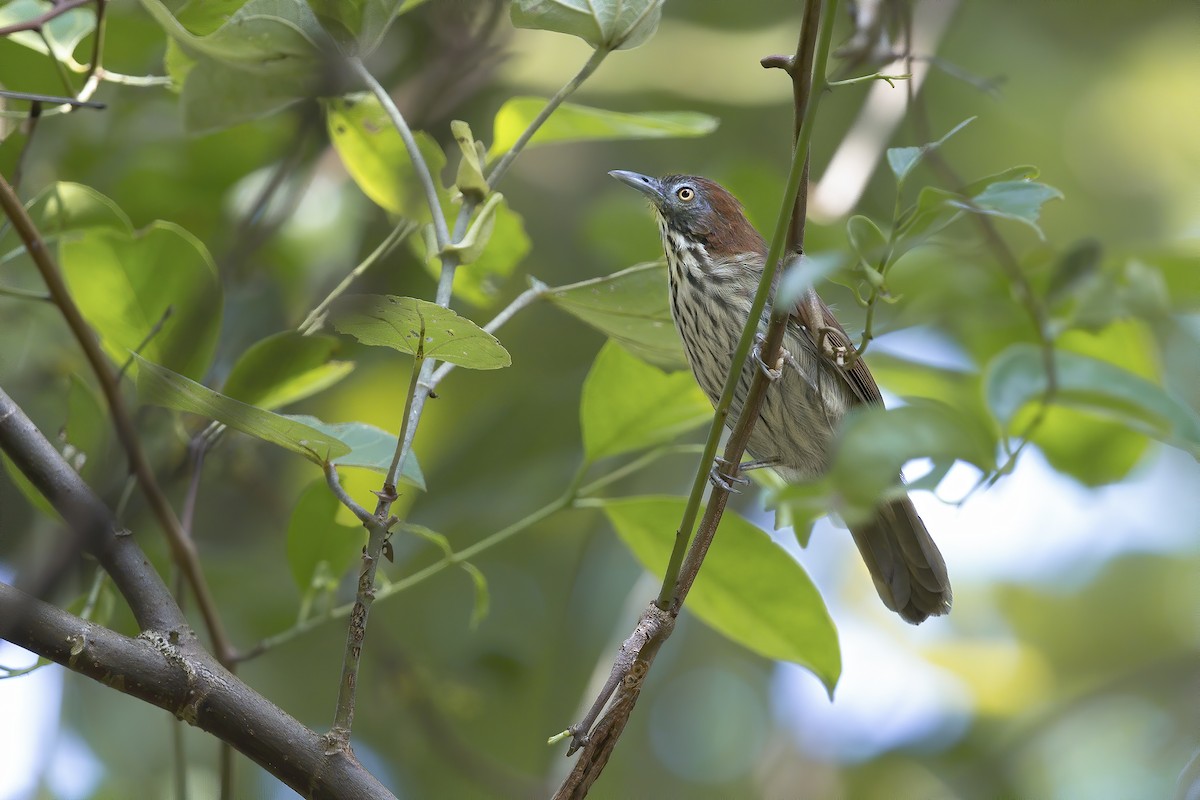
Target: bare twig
37, 23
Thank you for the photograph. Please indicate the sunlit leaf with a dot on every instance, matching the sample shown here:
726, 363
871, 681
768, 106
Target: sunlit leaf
479, 281
629, 405
314, 536
749, 589
159, 281
604, 24
408, 325
284, 368
572, 123
375, 156
162, 387
630, 306
370, 447
1016, 377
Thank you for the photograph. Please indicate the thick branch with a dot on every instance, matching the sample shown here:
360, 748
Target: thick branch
183, 679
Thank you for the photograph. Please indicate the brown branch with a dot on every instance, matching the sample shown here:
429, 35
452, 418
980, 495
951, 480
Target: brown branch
656, 624
38, 22
182, 549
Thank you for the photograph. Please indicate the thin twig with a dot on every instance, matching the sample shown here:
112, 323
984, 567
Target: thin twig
182, 549
37, 23
562, 94
525, 298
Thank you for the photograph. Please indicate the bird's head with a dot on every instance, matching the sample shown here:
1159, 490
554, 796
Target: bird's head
698, 209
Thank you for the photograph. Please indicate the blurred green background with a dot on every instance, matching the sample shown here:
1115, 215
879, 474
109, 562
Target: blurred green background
1071, 664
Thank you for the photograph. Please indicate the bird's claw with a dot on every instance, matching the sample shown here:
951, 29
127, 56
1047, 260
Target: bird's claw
718, 476
756, 356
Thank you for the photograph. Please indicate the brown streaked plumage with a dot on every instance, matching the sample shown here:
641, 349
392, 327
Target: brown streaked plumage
715, 258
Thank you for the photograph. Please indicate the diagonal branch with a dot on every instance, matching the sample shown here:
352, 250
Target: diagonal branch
637, 654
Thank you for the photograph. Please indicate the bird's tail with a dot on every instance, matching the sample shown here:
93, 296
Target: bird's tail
906, 566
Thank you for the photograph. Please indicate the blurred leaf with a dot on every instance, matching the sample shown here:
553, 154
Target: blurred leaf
869, 244
903, 160
469, 179
1179, 266
930, 214
477, 282
479, 610
604, 24
285, 367
797, 505
125, 284
86, 431
803, 273
27, 489
1021, 172
749, 589
408, 324
1017, 200
65, 207
475, 240
630, 306
876, 442
1015, 377
365, 21
1080, 262
271, 37
1092, 448
628, 404
375, 156
574, 123
370, 447
64, 32
314, 537
161, 387
218, 95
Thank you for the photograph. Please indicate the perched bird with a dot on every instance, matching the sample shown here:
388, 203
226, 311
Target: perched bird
715, 259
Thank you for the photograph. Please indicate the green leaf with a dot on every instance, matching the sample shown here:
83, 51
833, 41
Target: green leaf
161, 387
64, 32
408, 325
903, 160
478, 282
604, 24
375, 156
479, 610
314, 537
470, 180
1016, 377
804, 273
284, 368
365, 21
473, 242
629, 405
749, 589
1079, 263
235, 62
574, 123
1021, 172
1017, 200
66, 207
370, 447
86, 431
630, 306
127, 285
867, 241
875, 443
269, 37
27, 489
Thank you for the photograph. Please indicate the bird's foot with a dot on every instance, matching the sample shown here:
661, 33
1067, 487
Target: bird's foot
773, 374
726, 476
839, 354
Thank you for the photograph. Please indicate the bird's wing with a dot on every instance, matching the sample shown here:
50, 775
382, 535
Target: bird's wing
815, 317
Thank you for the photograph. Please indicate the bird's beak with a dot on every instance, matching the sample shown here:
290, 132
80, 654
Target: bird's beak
651, 187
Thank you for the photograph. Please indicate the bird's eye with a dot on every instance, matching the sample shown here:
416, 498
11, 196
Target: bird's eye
685, 193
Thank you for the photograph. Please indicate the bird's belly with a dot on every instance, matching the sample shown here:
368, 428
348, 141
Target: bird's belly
801, 410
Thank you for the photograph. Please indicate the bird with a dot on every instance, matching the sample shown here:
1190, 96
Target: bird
715, 259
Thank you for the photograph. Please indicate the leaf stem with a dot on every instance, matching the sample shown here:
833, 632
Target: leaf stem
410, 144
562, 94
